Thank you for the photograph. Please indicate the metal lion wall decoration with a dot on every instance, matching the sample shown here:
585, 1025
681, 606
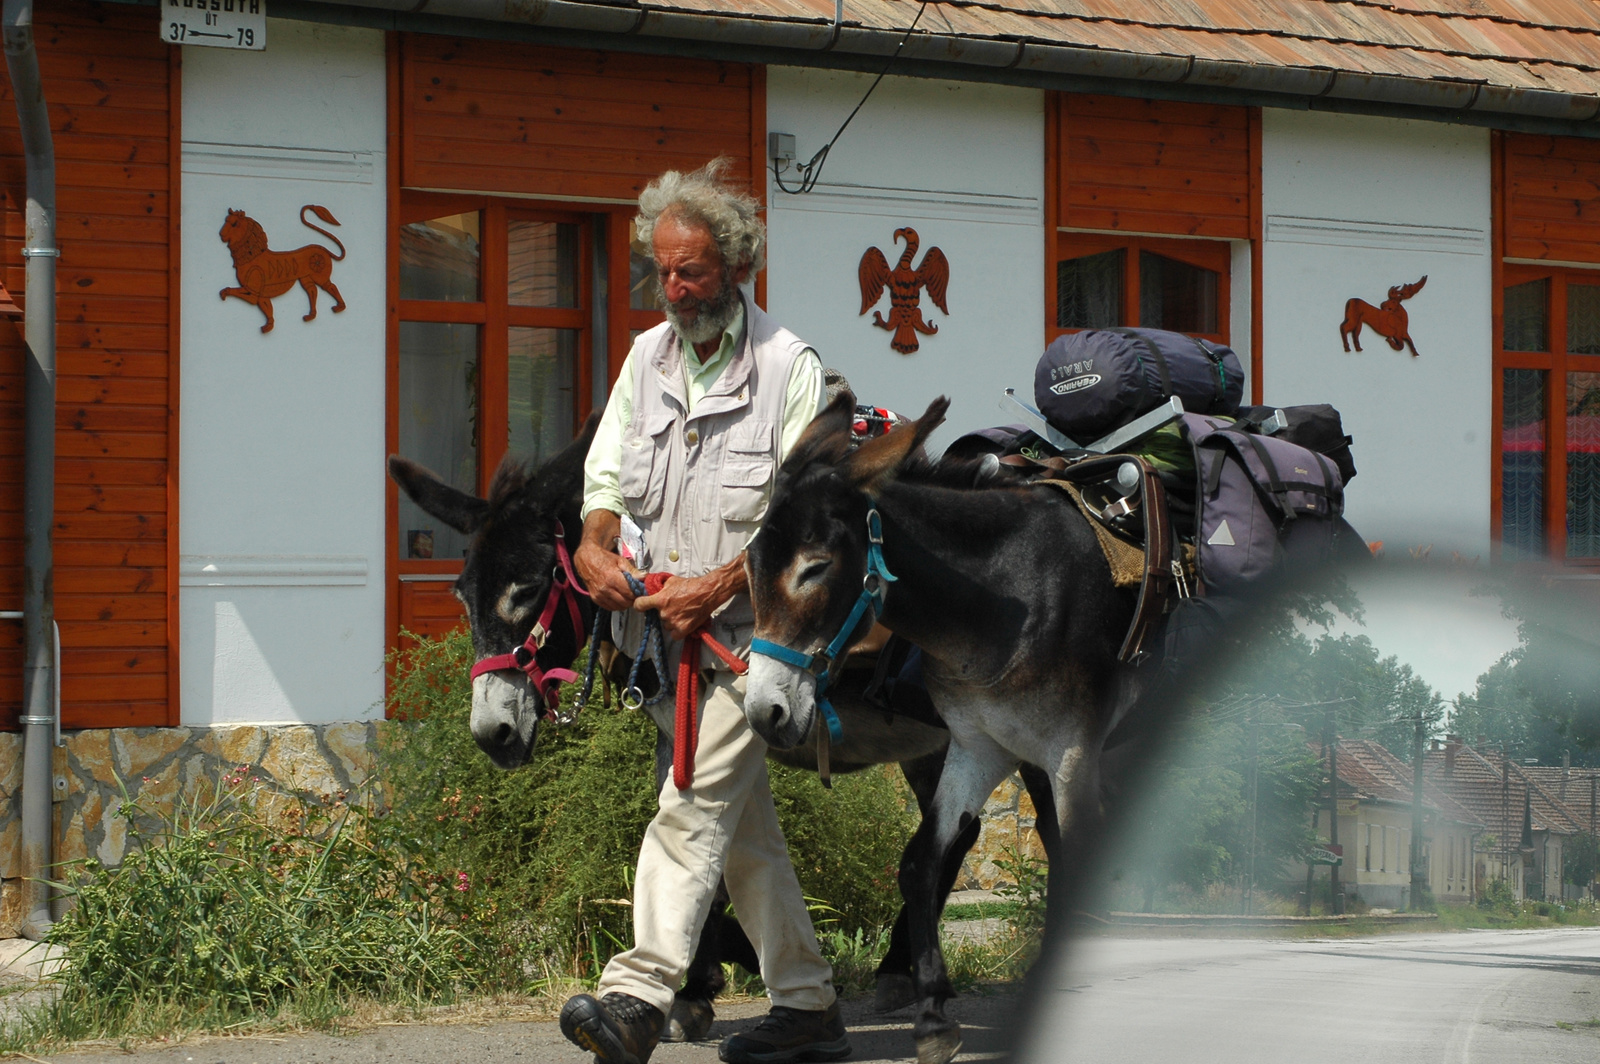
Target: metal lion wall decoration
904, 284
1389, 319
265, 274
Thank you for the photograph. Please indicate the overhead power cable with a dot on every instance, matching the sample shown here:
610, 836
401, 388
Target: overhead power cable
810, 171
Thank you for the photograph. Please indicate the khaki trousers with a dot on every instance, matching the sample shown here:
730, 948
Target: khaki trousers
724, 824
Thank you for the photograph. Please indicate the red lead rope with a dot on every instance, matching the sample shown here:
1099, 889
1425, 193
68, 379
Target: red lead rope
685, 733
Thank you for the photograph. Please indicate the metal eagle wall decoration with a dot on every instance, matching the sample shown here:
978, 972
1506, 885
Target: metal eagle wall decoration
904, 284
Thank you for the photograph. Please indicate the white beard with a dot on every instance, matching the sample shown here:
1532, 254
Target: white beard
715, 315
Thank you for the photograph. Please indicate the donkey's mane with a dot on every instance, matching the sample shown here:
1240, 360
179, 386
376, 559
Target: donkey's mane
961, 474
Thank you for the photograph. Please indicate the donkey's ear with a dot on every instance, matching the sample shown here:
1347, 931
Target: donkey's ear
876, 462
827, 438
561, 477
454, 507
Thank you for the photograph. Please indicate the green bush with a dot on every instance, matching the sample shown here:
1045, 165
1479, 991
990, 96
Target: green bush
239, 903
551, 847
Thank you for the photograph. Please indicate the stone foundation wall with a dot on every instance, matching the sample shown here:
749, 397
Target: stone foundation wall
163, 764
1007, 829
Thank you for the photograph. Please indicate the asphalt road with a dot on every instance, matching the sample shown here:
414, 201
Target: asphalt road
1468, 998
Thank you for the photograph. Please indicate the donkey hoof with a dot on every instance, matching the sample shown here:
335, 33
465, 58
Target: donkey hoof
940, 1047
895, 991
690, 1021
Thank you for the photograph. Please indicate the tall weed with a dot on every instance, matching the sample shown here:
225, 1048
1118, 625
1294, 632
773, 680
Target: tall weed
239, 904
551, 847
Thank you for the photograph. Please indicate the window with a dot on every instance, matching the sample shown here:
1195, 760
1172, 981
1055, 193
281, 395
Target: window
504, 341
1547, 395
1105, 281
1366, 858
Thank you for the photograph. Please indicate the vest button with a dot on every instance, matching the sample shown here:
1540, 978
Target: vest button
672, 555
693, 437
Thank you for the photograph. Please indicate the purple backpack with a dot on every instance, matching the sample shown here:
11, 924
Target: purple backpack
1259, 500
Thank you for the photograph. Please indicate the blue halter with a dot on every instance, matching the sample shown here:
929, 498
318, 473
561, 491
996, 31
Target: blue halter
821, 663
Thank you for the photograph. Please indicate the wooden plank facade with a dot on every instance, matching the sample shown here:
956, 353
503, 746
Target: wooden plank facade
518, 119
1154, 166
111, 86
1551, 205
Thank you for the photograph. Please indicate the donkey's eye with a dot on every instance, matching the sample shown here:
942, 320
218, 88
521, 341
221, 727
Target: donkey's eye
815, 571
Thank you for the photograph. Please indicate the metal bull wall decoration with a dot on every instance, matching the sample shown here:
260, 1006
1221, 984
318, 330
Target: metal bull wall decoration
265, 274
1389, 319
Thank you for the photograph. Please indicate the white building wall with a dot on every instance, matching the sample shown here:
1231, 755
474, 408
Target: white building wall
1353, 205
281, 446
963, 165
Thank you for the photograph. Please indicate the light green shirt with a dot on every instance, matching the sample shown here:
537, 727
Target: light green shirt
603, 467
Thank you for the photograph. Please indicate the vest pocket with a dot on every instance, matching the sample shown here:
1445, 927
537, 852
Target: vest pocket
643, 477
747, 470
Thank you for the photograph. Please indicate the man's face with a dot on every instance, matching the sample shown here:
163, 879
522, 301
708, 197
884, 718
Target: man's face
701, 299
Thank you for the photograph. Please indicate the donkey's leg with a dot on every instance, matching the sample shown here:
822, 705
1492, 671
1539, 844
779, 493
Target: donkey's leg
1076, 785
974, 766
895, 988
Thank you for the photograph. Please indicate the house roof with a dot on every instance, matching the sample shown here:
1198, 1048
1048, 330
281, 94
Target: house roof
1536, 59
1569, 786
1369, 771
1479, 781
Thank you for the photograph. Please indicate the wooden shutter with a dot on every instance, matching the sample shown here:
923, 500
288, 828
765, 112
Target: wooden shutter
1552, 198
1154, 166
488, 116
109, 85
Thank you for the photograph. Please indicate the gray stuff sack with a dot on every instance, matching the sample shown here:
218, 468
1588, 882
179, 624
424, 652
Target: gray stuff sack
1259, 500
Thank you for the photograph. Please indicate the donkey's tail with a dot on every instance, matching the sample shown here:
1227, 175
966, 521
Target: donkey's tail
327, 216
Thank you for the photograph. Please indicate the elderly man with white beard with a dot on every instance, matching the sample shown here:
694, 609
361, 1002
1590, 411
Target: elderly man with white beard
704, 410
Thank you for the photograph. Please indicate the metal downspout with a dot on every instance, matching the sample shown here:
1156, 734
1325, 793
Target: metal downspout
39, 333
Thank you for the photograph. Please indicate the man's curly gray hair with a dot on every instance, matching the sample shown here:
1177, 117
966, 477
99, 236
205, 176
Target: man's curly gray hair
701, 197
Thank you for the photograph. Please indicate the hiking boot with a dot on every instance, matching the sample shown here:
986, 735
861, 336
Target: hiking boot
789, 1035
617, 1029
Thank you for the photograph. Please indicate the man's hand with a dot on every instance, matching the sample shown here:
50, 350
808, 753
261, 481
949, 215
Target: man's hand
600, 566
687, 602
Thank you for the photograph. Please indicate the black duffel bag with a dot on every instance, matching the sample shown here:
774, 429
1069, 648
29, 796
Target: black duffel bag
1092, 382
1315, 427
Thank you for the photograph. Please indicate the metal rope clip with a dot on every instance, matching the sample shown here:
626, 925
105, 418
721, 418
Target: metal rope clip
1183, 583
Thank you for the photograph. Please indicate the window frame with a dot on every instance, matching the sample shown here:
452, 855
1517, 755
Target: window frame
1207, 254
602, 305
1557, 362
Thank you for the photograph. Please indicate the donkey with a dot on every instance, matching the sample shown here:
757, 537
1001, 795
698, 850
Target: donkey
510, 574
1002, 585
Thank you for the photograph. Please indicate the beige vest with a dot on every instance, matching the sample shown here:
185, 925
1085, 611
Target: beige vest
698, 483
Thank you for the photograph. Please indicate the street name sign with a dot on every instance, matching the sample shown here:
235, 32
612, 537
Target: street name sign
1327, 857
237, 24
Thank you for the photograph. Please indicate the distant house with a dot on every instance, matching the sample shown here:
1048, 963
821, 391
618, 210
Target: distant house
1526, 824
1579, 795
1375, 800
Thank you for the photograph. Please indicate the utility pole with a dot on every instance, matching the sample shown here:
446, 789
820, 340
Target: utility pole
1592, 871
1419, 875
1335, 896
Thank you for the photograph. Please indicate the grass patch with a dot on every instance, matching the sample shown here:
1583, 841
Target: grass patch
1579, 1025
982, 910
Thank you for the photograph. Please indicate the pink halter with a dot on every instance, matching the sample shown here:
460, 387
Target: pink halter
564, 587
